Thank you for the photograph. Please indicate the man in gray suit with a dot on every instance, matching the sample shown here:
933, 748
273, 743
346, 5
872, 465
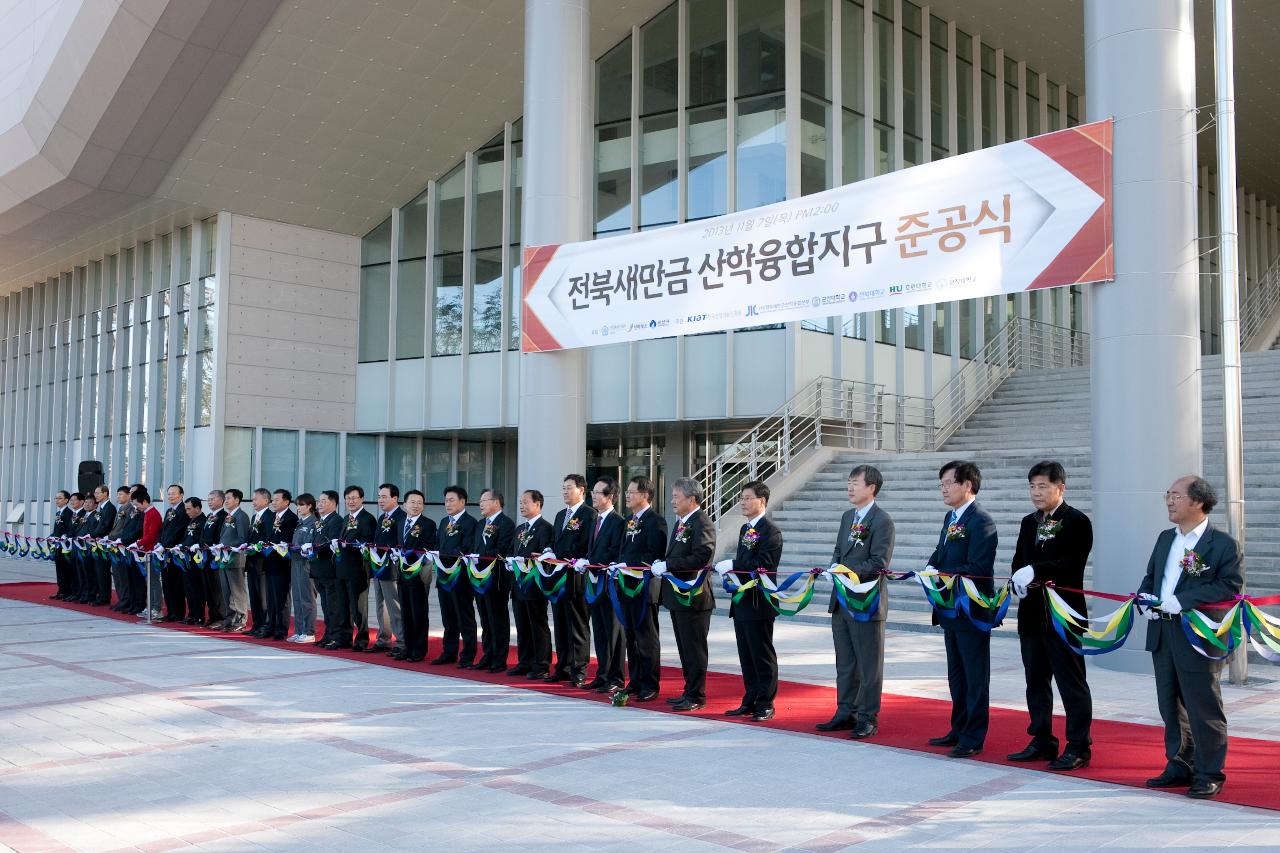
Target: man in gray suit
1193, 565
235, 532
864, 544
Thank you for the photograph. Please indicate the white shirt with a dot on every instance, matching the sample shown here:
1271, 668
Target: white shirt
684, 519
572, 511
860, 513
753, 522
410, 522
257, 514
1173, 565
959, 511
491, 519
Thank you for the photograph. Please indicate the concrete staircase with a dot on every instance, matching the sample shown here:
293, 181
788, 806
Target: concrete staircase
1034, 416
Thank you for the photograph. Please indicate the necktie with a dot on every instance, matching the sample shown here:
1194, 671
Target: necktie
407, 524
599, 524
954, 517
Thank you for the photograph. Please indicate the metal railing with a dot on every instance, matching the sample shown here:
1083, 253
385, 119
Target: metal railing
1259, 307
850, 414
825, 413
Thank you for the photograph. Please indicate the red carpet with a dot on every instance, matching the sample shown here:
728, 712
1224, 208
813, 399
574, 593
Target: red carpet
1123, 753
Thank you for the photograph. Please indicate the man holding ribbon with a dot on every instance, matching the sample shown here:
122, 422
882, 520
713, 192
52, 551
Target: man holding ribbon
864, 546
1053, 547
533, 634
173, 532
359, 530
384, 589
572, 538
689, 553
457, 603
417, 536
62, 517
759, 550
235, 590
495, 535
101, 563
606, 539
644, 542
255, 564
279, 567
1192, 566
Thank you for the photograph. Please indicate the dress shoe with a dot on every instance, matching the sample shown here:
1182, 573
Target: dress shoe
1203, 789
1032, 752
595, 683
196, 623
191, 621
864, 730
675, 700
688, 705
537, 675
218, 626
414, 658
441, 660
399, 656
379, 647
1170, 779
235, 626
57, 596
1069, 761
945, 740
762, 716
340, 646
327, 644
578, 682
466, 664
518, 670
361, 649
964, 751
117, 607
497, 667
279, 638
644, 696
740, 711
835, 724
485, 662
552, 678
610, 689
258, 633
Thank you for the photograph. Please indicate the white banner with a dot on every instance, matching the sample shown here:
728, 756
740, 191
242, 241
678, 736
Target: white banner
1019, 216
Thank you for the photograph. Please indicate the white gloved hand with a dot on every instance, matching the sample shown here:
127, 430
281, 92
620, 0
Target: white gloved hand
1020, 579
617, 567
1171, 604
548, 554
580, 564
659, 568
834, 566
724, 567
307, 549
1143, 603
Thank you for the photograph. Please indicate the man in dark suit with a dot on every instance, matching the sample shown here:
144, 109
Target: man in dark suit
457, 531
690, 549
211, 535
231, 579
602, 550
417, 533
62, 516
383, 598
279, 569
966, 548
1053, 546
101, 564
644, 542
1193, 565
759, 550
495, 537
529, 605
573, 526
86, 522
864, 545
193, 514
138, 581
349, 608
322, 570
173, 532
119, 569
255, 565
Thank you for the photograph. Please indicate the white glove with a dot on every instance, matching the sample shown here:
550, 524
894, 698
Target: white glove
548, 554
1171, 604
834, 566
307, 549
1144, 606
724, 567
580, 564
1020, 579
617, 567
659, 568
473, 556
333, 545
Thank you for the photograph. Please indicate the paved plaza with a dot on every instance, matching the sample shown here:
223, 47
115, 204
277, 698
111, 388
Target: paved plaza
122, 737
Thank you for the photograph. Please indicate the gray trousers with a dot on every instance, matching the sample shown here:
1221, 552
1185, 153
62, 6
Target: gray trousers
386, 602
234, 591
1195, 725
859, 667
303, 590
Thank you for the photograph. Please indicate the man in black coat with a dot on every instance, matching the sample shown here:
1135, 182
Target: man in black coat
572, 538
417, 534
193, 590
966, 547
101, 563
255, 564
173, 532
457, 530
211, 535
323, 565
758, 554
1192, 565
494, 540
86, 522
689, 551
349, 606
279, 569
137, 579
62, 516
644, 542
1053, 546
606, 540
529, 605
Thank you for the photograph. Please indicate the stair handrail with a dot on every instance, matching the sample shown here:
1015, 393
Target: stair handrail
826, 411
1259, 306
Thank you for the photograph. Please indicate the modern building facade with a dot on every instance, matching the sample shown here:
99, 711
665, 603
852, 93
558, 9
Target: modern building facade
309, 275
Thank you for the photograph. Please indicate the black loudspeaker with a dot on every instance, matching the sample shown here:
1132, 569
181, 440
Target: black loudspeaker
89, 476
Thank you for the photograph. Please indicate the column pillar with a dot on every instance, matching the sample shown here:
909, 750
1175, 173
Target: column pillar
1140, 68
557, 159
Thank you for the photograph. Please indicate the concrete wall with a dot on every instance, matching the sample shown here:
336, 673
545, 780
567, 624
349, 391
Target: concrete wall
293, 305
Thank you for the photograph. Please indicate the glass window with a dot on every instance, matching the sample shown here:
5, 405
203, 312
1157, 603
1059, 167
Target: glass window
375, 312
1055, 114
939, 88
1073, 109
942, 328
411, 308
708, 52
887, 327
613, 84
209, 232
852, 93
449, 212
413, 227
437, 466
659, 85
989, 95
708, 182
815, 47
321, 463
362, 465
446, 310
400, 466
471, 468
375, 248
912, 89
882, 62
659, 171
1012, 103
516, 301
486, 225
517, 185
184, 255
613, 178
1033, 103
486, 300
280, 459
964, 92
815, 146
761, 47
237, 459
761, 150
966, 320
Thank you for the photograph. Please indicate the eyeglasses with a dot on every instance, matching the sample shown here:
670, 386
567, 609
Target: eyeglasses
1174, 496
946, 484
